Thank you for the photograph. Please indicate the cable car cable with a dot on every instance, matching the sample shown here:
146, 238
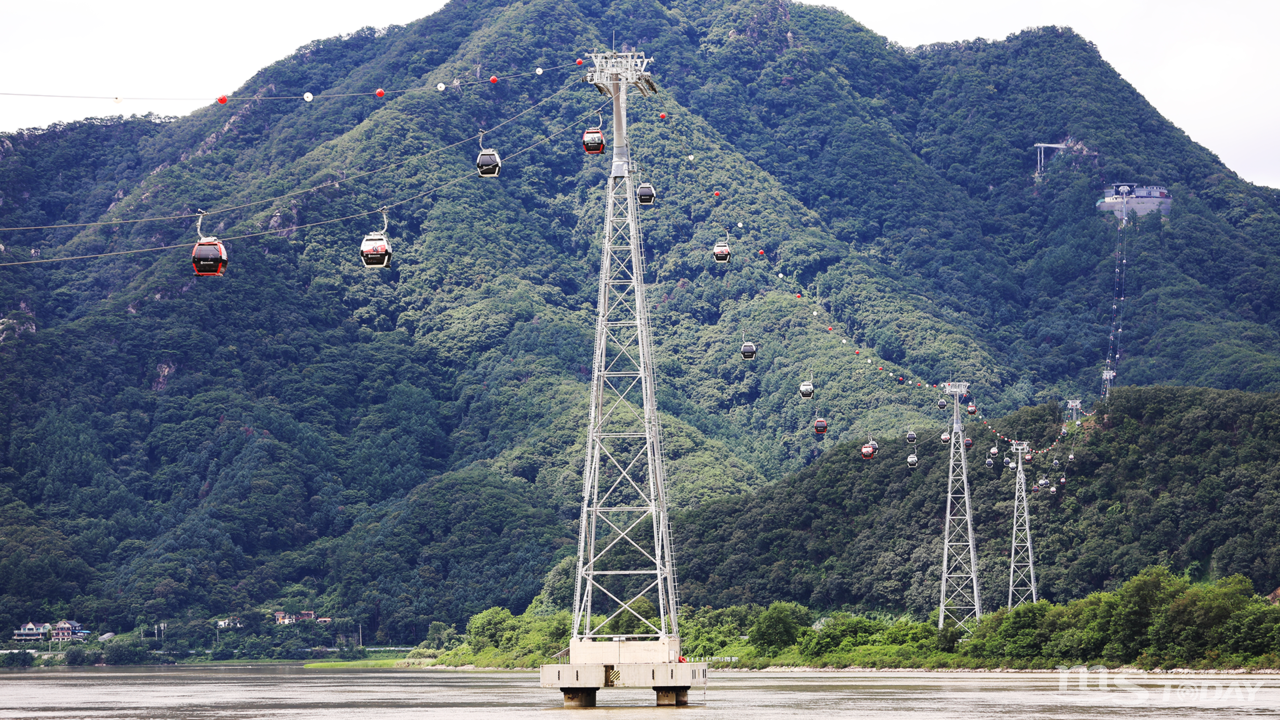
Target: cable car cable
438, 188
357, 176
229, 98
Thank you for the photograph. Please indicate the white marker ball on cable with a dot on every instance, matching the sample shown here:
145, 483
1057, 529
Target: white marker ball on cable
739, 224
690, 157
440, 87
815, 313
845, 342
779, 276
538, 71
307, 96
118, 100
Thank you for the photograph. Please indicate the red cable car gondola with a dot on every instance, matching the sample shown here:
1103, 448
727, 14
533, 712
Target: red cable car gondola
968, 443
820, 426
868, 452
209, 256
593, 141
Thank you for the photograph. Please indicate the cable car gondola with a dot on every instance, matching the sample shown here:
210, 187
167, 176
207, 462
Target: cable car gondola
721, 251
868, 452
209, 256
488, 163
1053, 491
806, 387
995, 451
991, 463
942, 404
946, 437
1008, 462
911, 436
968, 443
1071, 457
593, 138
748, 349
645, 194
874, 445
973, 409
1055, 462
912, 460
375, 249
820, 426
1062, 481
1027, 457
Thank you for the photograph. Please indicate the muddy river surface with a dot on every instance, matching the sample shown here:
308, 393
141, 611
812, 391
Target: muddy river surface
186, 693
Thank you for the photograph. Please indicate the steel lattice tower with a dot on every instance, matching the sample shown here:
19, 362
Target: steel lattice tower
624, 541
1022, 559
1074, 407
960, 600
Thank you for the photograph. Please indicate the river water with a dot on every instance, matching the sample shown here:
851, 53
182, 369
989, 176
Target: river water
206, 693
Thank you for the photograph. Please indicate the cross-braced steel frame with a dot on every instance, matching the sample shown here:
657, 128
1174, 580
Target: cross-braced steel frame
1022, 558
624, 540
961, 600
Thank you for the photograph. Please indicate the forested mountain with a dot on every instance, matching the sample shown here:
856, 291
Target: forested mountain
405, 446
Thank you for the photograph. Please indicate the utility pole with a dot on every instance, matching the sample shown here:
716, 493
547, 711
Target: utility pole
624, 537
1022, 559
961, 600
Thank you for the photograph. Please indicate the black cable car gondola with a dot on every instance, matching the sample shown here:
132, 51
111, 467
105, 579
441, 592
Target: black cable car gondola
942, 404
375, 249
911, 436
209, 256
912, 460
1055, 462
645, 194
991, 463
806, 387
593, 138
820, 426
1008, 462
488, 164
874, 445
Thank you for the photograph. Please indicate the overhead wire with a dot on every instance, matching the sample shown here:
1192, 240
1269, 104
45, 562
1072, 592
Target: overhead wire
229, 98
303, 191
436, 189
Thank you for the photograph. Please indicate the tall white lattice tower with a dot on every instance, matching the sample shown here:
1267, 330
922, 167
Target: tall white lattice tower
625, 629
961, 600
1022, 558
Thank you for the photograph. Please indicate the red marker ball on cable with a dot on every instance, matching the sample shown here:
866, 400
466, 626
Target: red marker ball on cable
662, 116
828, 329
717, 193
222, 99
797, 294
493, 78
579, 61
761, 252
380, 92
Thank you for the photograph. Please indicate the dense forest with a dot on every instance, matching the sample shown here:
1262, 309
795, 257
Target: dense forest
402, 448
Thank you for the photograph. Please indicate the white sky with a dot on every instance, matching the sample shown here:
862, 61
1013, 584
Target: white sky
1211, 68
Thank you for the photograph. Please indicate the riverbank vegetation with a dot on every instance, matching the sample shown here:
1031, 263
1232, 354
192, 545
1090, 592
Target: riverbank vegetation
1155, 620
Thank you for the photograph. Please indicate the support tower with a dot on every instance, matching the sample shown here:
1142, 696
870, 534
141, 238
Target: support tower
1022, 559
1074, 407
625, 630
960, 601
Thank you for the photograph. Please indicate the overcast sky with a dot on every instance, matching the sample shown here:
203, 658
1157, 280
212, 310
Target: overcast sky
1211, 68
